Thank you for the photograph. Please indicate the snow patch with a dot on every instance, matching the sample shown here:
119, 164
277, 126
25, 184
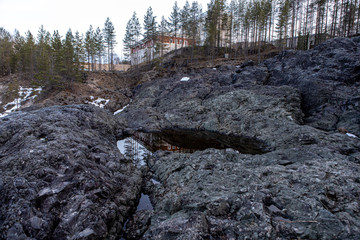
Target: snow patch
154, 181
185, 79
24, 95
351, 135
214, 69
120, 110
99, 102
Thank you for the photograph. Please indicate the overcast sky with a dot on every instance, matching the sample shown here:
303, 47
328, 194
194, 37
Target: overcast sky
61, 15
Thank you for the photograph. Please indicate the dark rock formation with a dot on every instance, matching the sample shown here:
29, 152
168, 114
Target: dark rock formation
308, 192
266, 104
328, 78
287, 164
62, 176
293, 174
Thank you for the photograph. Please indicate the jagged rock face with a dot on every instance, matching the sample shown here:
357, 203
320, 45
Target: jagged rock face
328, 78
265, 104
309, 192
293, 176
210, 102
62, 176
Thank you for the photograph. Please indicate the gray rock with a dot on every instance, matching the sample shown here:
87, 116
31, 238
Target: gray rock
328, 78
292, 175
251, 196
62, 176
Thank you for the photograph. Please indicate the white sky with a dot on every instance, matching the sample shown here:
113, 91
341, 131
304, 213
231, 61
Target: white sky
61, 15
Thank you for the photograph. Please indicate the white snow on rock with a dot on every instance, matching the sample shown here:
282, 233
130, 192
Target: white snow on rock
351, 135
120, 110
25, 94
99, 102
185, 79
155, 181
214, 69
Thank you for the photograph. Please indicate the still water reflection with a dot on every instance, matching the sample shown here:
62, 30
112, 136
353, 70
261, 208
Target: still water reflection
140, 147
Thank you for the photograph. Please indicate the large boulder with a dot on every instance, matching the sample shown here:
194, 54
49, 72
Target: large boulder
62, 176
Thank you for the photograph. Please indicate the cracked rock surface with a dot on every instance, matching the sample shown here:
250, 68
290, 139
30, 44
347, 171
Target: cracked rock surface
62, 176
286, 171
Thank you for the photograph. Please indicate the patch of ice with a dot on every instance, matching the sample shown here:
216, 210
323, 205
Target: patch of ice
100, 102
154, 181
351, 135
24, 95
120, 110
185, 79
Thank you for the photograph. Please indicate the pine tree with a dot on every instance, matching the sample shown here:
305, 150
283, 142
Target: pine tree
110, 42
216, 9
90, 47
99, 45
132, 35
184, 21
57, 62
150, 31
79, 52
43, 54
5, 52
17, 56
68, 53
128, 40
149, 24
29, 55
283, 22
194, 24
163, 30
174, 21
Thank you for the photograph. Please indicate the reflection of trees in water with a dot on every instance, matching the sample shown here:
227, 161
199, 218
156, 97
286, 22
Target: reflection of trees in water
135, 151
129, 149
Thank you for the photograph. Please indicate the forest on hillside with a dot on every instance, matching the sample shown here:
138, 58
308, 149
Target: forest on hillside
235, 25
240, 24
54, 61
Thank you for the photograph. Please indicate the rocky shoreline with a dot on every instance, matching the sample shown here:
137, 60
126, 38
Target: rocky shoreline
278, 156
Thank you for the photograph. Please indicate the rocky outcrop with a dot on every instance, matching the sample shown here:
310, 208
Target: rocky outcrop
62, 176
308, 192
281, 170
286, 171
328, 78
272, 104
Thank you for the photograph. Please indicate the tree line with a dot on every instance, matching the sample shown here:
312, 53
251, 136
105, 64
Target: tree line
53, 60
240, 25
